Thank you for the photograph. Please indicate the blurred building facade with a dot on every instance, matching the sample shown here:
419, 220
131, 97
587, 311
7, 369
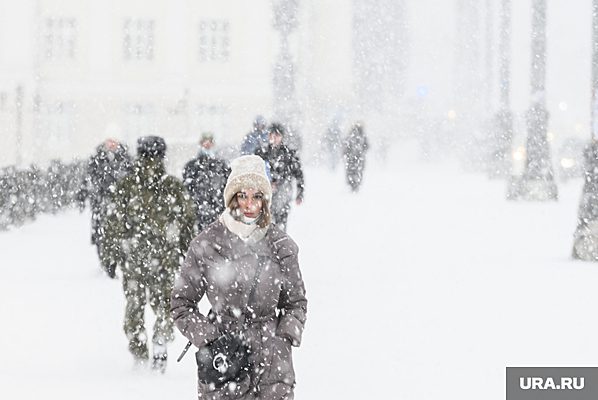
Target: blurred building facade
89, 70
73, 73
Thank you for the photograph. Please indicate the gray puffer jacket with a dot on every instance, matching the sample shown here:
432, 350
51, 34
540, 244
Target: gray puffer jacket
222, 266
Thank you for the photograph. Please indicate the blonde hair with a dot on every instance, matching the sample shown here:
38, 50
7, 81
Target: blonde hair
265, 215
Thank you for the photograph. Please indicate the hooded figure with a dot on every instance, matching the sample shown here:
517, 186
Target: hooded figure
150, 224
222, 264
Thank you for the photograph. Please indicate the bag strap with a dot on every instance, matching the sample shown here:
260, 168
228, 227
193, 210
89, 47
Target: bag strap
258, 271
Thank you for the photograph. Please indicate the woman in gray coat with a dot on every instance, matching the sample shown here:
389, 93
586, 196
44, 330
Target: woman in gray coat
222, 263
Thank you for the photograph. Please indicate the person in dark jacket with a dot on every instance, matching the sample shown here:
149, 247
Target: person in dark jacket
222, 264
205, 178
110, 163
258, 137
149, 227
354, 149
285, 167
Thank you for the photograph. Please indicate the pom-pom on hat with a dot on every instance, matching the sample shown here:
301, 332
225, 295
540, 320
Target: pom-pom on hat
247, 172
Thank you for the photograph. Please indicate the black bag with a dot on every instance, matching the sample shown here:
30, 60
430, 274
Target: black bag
223, 360
227, 357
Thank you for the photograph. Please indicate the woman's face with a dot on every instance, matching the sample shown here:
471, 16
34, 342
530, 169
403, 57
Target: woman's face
250, 202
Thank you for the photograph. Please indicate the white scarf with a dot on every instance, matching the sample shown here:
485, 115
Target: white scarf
249, 233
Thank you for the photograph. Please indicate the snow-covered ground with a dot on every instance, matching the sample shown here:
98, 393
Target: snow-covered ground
424, 285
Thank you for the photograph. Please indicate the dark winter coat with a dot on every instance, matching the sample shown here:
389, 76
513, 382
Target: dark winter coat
254, 140
222, 266
150, 219
284, 167
205, 179
355, 147
104, 169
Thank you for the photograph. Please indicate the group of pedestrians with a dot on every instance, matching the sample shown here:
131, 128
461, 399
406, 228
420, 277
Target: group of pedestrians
143, 221
27, 192
225, 225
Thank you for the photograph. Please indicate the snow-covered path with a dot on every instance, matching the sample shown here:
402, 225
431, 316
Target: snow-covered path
425, 284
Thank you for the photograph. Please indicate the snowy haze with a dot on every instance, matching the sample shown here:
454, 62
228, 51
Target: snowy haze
426, 284
444, 61
433, 32
421, 286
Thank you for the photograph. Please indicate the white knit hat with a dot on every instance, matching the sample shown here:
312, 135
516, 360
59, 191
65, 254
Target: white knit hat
247, 172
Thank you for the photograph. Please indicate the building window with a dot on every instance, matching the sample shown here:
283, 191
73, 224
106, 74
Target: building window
214, 40
59, 36
138, 43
